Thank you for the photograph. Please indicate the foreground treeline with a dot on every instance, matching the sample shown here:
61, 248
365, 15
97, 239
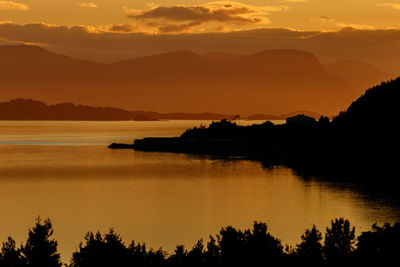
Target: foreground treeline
231, 247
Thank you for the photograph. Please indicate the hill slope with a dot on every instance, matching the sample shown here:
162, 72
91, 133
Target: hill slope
377, 108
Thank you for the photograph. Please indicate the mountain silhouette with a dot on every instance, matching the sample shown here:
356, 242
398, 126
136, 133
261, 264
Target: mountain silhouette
359, 74
272, 82
29, 109
222, 56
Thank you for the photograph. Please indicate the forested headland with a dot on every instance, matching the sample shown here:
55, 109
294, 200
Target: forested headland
361, 140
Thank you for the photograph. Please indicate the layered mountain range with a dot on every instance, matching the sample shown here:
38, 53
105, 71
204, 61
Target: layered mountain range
272, 82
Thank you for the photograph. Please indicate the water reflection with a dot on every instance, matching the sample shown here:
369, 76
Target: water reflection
166, 199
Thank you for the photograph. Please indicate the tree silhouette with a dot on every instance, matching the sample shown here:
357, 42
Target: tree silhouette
213, 253
380, 246
249, 247
40, 250
138, 253
196, 257
310, 249
110, 250
339, 240
155, 258
232, 246
107, 250
261, 246
10, 255
179, 258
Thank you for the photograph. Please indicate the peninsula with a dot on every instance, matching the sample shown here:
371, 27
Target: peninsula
360, 139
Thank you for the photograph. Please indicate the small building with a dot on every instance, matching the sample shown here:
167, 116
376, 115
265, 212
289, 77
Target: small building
300, 119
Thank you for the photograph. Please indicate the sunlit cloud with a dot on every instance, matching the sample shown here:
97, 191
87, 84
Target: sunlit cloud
295, 1
10, 5
392, 5
88, 4
205, 17
109, 43
125, 28
323, 19
355, 26
121, 28
332, 23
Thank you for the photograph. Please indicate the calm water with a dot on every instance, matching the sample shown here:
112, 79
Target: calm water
64, 171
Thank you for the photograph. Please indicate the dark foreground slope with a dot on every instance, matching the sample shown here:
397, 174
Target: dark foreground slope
363, 139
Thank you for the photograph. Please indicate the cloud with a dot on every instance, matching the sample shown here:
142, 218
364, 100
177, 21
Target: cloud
323, 19
295, 1
355, 26
197, 13
121, 28
179, 27
392, 5
88, 4
10, 5
334, 24
182, 18
378, 47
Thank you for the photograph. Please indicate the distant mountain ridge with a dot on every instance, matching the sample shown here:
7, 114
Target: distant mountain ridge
269, 82
358, 74
29, 109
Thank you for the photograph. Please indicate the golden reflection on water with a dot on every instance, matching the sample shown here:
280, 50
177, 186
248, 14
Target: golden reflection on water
163, 199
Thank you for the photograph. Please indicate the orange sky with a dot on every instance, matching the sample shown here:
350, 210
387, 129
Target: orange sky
111, 30
108, 31
199, 16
